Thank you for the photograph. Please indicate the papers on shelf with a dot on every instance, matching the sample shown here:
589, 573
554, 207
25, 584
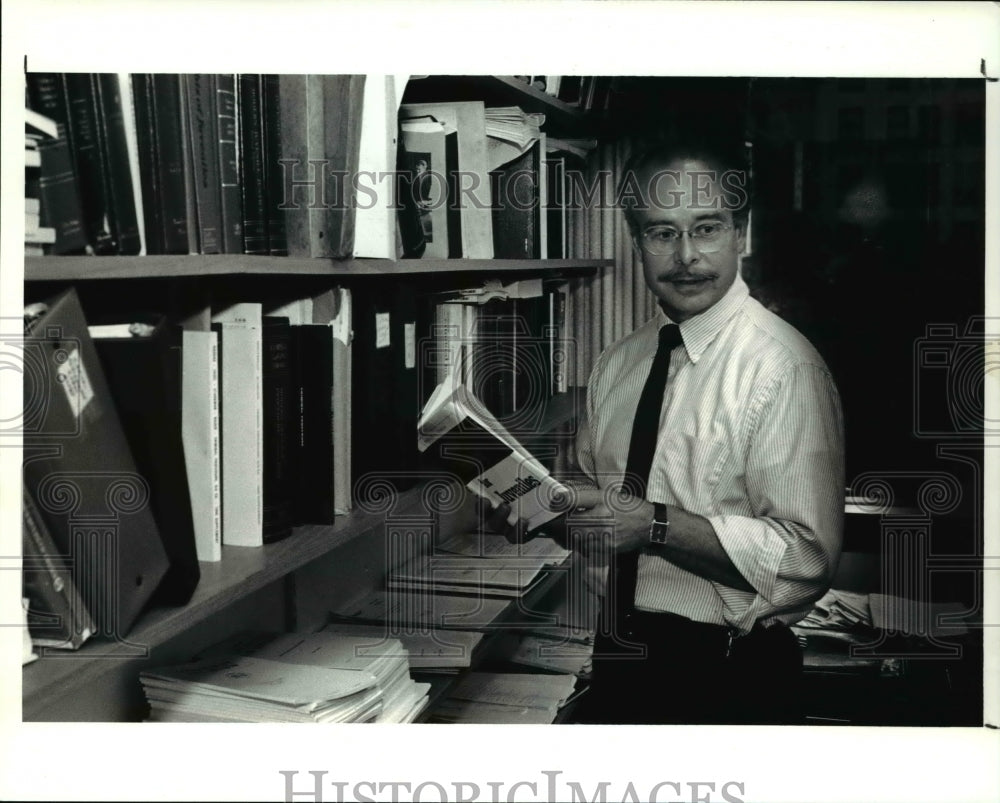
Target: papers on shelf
245, 689
426, 650
568, 657
496, 698
510, 132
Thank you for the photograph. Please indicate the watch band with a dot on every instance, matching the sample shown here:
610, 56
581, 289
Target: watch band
659, 529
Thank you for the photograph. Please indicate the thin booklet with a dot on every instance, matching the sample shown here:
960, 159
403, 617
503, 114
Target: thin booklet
462, 435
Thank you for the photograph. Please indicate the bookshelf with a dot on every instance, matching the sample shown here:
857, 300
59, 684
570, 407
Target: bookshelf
270, 585
85, 268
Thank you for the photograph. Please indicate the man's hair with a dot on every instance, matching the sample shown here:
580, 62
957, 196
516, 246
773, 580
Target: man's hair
727, 156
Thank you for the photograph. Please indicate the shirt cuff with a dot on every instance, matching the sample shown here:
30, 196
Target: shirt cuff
754, 548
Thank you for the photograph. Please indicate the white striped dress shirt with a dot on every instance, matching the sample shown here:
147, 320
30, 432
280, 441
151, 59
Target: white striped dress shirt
751, 438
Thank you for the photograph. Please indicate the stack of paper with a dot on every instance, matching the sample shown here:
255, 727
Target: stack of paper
838, 610
498, 698
456, 574
512, 124
386, 660
428, 651
244, 689
566, 657
423, 610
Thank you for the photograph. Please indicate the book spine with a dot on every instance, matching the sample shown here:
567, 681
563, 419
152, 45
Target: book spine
115, 156
143, 99
277, 237
88, 159
303, 165
251, 152
216, 463
278, 427
57, 185
343, 100
202, 123
57, 616
169, 132
312, 384
229, 172
187, 166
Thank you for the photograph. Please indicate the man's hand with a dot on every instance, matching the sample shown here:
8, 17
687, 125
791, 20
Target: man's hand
595, 522
603, 522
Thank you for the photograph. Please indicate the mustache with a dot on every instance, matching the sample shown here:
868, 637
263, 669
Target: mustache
684, 275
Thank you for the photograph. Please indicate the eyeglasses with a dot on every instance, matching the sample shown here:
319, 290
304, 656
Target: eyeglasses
706, 237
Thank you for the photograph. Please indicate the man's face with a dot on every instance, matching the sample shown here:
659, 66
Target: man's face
682, 195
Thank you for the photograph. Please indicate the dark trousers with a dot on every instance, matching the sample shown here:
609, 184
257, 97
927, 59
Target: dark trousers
652, 668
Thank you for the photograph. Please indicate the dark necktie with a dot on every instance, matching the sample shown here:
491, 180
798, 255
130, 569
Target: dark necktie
642, 446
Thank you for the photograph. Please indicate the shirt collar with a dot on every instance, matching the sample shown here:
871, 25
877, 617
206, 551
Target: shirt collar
700, 330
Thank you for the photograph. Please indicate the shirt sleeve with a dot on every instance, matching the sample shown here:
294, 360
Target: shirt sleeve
789, 548
584, 440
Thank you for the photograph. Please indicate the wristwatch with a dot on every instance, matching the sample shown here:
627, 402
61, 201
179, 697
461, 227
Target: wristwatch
659, 529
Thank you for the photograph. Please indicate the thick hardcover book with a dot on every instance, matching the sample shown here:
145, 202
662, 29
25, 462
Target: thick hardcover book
85, 143
241, 416
321, 127
170, 135
251, 155
57, 185
229, 168
204, 138
375, 215
57, 616
274, 182
144, 373
117, 164
312, 446
149, 179
187, 168
79, 469
279, 427
374, 432
517, 208
200, 418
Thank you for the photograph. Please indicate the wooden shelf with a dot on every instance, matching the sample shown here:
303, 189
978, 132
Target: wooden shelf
80, 268
561, 119
241, 572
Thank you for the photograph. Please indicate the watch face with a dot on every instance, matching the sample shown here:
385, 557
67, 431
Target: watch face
658, 532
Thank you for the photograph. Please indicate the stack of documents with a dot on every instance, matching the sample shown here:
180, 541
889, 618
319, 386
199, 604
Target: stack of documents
497, 698
423, 610
456, 574
428, 651
565, 656
512, 124
379, 667
838, 610
244, 689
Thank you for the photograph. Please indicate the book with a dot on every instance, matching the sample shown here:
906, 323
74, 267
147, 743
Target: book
375, 212
160, 139
202, 132
313, 445
79, 469
116, 164
200, 426
278, 435
434, 650
241, 422
517, 204
142, 362
57, 185
89, 160
459, 433
468, 119
274, 183
230, 199
126, 100
57, 616
251, 155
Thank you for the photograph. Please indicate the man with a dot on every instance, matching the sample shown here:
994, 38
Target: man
728, 524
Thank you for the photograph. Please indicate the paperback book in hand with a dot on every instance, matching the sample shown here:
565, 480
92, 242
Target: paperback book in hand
459, 433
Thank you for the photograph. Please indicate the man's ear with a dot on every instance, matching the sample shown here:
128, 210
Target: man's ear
741, 236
